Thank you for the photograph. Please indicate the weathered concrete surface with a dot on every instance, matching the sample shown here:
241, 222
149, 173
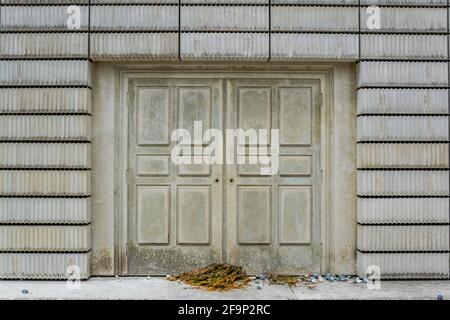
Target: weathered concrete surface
160, 288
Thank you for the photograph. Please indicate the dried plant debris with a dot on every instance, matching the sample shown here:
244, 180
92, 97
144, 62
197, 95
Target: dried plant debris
215, 277
283, 279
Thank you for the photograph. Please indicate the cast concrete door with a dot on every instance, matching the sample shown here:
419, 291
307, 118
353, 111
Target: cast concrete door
175, 211
187, 216
273, 220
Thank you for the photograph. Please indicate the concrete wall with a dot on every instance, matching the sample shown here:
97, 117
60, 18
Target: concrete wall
403, 106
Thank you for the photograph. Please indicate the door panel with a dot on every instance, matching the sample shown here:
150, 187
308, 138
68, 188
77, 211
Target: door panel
175, 212
273, 221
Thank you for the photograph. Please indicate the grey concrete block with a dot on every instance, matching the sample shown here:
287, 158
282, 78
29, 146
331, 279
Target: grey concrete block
403, 19
45, 183
45, 100
45, 238
45, 210
423, 74
134, 1
406, 265
405, 2
224, 46
402, 155
403, 238
402, 128
45, 155
44, 45
48, 128
225, 18
45, 73
402, 101
318, 18
316, 2
44, 265
34, 2
225, 1
403, 183
403, 210
43, 18
134, 46
403, 46
299, 46
140, 18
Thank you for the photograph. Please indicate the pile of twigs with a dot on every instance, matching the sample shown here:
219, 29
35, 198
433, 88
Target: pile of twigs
283, 279
218, 276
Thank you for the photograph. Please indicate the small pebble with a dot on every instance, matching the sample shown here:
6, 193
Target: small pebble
440, 297
24, 291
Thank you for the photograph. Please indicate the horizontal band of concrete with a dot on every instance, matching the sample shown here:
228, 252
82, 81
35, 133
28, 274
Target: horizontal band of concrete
45, 210
404, 265
403, 238
46, 18
402, 155
45, 128
45, 155
224, 18
403, 183
403, 19
403, 210
45, 183
426, 101
415, 74
44, 265
224, 46
404, 46
300, 46
44, 45
296, 2
45, 238
134, 18
163, 46
45, 73
45, 100
402, 128
291, 19
134, 46
401, 2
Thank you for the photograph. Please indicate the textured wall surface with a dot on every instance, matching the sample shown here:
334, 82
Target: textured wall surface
402, 121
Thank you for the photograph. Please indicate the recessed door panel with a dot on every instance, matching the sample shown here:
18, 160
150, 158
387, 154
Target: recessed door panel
273, 220
174, 211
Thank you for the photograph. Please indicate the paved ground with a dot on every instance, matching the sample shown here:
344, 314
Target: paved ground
160, 288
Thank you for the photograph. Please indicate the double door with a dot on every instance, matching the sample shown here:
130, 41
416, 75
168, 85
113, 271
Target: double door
265, 217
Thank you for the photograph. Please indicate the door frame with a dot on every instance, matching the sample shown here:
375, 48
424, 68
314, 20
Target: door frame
323, 72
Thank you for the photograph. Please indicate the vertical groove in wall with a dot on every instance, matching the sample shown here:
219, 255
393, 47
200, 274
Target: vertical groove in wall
89, 31
359, 31
270, 30
448, 90
179, 30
